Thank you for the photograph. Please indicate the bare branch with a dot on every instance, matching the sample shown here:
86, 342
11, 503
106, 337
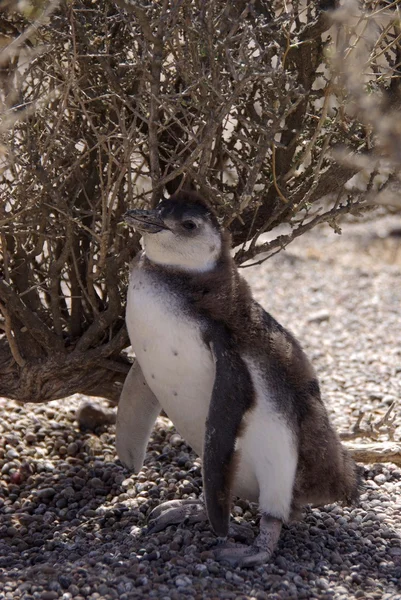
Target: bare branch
373, 430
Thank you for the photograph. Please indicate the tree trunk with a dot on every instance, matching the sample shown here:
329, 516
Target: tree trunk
77, 372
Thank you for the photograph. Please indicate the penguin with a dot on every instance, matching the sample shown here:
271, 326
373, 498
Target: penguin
234, 382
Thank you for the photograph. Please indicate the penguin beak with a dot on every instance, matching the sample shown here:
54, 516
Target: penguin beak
145, 221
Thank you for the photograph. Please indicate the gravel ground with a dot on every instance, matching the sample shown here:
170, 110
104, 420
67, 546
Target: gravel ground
71, 517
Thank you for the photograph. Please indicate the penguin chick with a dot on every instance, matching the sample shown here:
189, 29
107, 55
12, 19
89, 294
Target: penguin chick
235, 383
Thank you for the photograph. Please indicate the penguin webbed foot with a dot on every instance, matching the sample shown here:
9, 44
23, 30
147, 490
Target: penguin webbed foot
175, 512
256, 554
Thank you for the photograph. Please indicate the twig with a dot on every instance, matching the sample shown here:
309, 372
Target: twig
46, 338
283, 240
373, 430
274, 175
10, 337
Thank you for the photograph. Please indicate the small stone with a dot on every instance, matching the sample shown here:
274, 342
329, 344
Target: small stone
128, 483
11, 454
176, 440
319, 316
64, 581
200, 569
281, 562
6, 468
155, 555
74, 589
49, 595
91, 415
183, 581
95, 482
68, 492
322, 584
72, 449
135, 531
46, 493
356, 578
16, 478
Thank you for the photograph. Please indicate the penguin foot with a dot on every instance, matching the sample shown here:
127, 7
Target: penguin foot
259, 552
175, 512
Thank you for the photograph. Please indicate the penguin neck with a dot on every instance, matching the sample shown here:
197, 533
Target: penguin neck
194, 273
196, 261
194, 266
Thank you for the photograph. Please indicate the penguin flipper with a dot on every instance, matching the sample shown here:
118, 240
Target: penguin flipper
137, 412
232, 396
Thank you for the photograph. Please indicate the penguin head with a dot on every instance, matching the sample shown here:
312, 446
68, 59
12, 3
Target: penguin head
182, 232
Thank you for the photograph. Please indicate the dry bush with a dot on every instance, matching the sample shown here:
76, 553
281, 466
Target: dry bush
107, 106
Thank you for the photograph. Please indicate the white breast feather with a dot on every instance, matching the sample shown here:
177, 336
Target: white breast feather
177, 365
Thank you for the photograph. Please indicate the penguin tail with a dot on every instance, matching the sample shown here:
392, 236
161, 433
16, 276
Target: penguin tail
352, 479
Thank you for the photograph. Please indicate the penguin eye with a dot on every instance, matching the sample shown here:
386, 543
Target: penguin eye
189, 225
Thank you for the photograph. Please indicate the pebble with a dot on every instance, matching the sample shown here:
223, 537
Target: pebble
72, 449
183, 581
91, 415
46, 493
319, 317
49, 596
11, 454
200, 569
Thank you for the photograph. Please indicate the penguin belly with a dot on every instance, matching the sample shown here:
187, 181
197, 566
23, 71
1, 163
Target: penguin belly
176, 363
